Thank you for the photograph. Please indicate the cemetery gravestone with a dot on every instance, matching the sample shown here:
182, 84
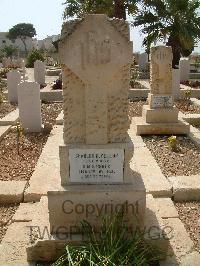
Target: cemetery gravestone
96, 177
160, 116
39, 72
29, 104
13, 79
142, 60
95, 55
184, 65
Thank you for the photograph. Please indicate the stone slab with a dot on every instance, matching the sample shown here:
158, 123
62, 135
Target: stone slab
13, 245
180, 242
47, 247
195, 137
185, 188
144, 128
10, 119
12, 191
46, 175
191, 259
25, 212
193, 119
166, 208
138, 94
3, 131
160, 115
74, 204
155, 182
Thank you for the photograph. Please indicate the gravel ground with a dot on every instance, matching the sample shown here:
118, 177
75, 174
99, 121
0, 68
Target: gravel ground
189, 214
184, 108
135, 108
6, 108
184, 162
6, 213
20, 167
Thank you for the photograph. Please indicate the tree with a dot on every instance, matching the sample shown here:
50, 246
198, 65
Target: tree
177, 22
9, 50
116, 8
22, 31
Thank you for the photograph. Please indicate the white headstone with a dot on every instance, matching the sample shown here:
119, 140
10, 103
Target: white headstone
13, 79
184, 66
39, 72
176, 84
29, 104
142, 60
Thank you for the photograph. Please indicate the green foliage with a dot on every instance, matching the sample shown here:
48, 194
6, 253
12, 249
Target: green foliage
113, 246
22, 31
176, 21
116, 8
173, 143
9, 50
33, 56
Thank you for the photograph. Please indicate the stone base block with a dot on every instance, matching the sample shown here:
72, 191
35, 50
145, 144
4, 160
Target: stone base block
143, 128
48, 247
93, 202
161, 115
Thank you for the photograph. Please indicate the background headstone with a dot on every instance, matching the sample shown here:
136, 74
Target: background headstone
184, 66
176, 84
142, 61
160, 116
39, 72
13, 79
29, 104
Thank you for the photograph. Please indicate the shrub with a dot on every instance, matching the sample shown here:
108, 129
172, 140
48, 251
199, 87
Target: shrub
33, 56
113, 246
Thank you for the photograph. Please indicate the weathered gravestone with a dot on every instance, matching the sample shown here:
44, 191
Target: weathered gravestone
96, 177
39, 72
13, 79
29, 104
160, 116
142, 61
184, 65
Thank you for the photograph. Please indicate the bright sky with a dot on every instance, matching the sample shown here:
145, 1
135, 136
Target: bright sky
45, 15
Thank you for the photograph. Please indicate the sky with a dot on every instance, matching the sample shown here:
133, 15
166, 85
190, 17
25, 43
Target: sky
46, 16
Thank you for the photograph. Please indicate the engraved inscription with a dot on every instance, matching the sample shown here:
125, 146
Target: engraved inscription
162, 102
94, 51
96, 165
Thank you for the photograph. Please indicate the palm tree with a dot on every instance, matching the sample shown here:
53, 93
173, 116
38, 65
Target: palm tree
176, 22
116, 8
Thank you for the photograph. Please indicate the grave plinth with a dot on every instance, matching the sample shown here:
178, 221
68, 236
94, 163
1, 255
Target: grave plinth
95, 174
95, 55
160, 116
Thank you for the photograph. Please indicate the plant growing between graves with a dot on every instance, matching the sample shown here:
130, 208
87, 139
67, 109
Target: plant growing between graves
33, 56
113, 246
173, 143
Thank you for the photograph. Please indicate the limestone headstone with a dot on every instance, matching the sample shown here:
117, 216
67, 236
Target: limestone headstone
96, 54
13, 79
184, 66
142, 60
176, 84
160, 116
29, 104
39, 72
